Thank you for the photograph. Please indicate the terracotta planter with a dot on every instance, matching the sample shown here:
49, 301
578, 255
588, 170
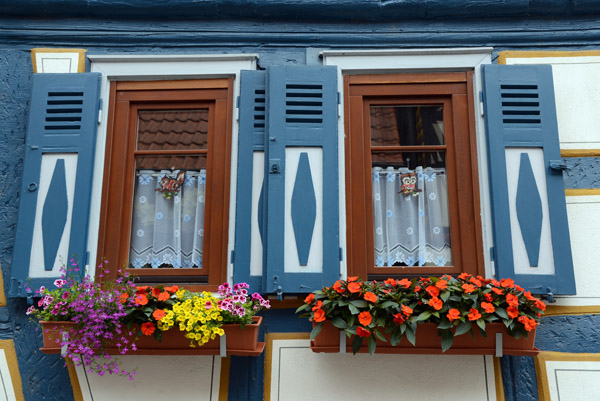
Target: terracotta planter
428, 342
52, 333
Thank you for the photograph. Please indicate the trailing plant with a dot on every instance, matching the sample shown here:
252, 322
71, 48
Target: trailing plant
364, 309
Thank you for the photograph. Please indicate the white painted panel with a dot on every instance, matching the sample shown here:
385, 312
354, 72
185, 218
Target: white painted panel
577, 95
583, 213
158, 378
36, 263
521, 259
298, 374
8, 392
573, 380
256, 249
62, 62
315, 256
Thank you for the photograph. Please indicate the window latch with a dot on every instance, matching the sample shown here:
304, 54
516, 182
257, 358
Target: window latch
549, 296
277, 288
558, 166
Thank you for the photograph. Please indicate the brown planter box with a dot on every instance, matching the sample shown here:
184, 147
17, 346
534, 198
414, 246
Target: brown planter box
428, 342
239, 342
52, 334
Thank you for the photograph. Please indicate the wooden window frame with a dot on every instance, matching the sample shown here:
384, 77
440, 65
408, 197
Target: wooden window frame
118, 182
453, 90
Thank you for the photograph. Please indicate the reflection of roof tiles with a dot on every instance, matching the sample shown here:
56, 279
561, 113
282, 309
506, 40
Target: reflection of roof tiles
193, 163
384, 126
172, 129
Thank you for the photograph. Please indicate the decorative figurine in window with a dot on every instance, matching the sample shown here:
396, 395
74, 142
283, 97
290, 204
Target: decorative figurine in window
169, 186
409, 184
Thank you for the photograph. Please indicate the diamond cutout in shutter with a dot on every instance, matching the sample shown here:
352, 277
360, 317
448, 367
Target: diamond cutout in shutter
304, 209
54, 214
529, 210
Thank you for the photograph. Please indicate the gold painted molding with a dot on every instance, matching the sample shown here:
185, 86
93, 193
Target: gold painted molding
557, 310
580, 152
81, 60
77, 394
224, 382
269, 338
498, 380
13, 367
542, 373
582, 192
2, 294
502, 56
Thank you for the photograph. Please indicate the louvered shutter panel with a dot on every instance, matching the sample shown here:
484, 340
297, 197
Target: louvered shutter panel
531, 233
249, 233
302, 179
55, 194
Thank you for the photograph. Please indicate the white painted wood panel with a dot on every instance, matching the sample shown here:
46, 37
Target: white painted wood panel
57, 62
256, 248
573, 380
7, 392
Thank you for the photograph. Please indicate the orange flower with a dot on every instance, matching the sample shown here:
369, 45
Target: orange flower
488, 297
433, 291
365, 318
338, 287
469, 288
362, 332
476, 282
390, 281
489, 308
309, 298
354, 287
474, 314
519, 288
173, 289
163, 296
404, 282
159, 314
369, 296
498, 291
512, 300
156, 292
436, 303
317, 305
148, 328
442, 284
540, 305
319, 315
123, 298
495, 283
507, 283
141, 289
453, 314
446, 277
529, 296
417, 288
464, 276
351, 279
141, 299
398, 318
527, 322
406, 310
512, 311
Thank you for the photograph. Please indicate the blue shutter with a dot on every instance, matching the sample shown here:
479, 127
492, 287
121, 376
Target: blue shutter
62, 126
521, 125
250, 145
302, 147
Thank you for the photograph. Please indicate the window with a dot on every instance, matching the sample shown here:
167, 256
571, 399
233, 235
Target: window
166, 180
411, 175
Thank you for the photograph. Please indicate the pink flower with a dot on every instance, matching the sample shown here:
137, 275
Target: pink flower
59, 282
30, 310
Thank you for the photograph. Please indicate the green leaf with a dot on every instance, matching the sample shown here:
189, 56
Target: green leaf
445, 295
396, 336
359, 303
341, 302
462, 328
410, 335
380, 336
389, 304
502, 313
445, 324
507, 322
158, 335
316, 330
302, 308
353, 309
339, 323
481, 324
447, 340
424, 316
372, 345
356, 344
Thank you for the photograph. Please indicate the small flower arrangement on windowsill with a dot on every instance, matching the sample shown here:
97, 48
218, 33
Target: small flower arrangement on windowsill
391, 313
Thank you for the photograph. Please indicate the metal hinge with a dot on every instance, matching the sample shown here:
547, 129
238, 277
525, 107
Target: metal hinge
232, 257
99, 111
481, 109
277, 288
493, 253
558, 166
341, 254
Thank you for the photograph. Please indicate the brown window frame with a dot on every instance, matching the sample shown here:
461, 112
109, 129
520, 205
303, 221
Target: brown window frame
455, 91
126, 98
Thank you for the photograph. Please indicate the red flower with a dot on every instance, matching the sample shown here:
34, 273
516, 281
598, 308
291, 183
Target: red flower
417, 288
507, 283
433, 291
156, 292
172, 289
488, 297
476, 282
163, 296
527, 322
354, 287
141, 299
159, 314
362, 332
404, 282
436, 303
123, 298
318, 305
498, 291
398, 318
453, 314
442, 284
529, 296
338, 287
406, 310
148, 328
519, 288
512, 311
446, 277
365, 318
309, 298
540, 305
369, 296
489, 308
390, 281
319, 315
474, 314
351, 279
469, 288
141, 289
464, 276
512, 300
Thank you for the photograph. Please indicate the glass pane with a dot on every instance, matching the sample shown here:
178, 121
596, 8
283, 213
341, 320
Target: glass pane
411, 160
410, 211
167, 227
172, 129
407, 125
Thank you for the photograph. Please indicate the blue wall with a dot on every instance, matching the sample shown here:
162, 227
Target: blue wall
277, 42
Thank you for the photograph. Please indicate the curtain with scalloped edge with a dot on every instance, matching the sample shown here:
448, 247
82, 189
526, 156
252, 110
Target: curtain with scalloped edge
411, 223
167, 232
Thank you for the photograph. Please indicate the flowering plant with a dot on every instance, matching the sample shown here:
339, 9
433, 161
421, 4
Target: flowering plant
96, 311
455, 305
237, 307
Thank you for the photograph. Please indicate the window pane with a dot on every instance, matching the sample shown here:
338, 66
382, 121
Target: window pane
407, 125
410, 216
168, 213
172, 129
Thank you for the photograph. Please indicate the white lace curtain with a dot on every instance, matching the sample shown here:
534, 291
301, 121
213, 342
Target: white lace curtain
168, 231
411, 229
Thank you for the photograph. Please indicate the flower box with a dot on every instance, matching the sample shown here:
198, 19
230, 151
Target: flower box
429, 342
239, 342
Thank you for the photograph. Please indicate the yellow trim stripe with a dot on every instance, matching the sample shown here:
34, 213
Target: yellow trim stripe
582, 192
502, 56
81, 59
2, 294
13, 367
542, 372
224, 383
557, 310
580, 152
498, 380
77, 394
269, 338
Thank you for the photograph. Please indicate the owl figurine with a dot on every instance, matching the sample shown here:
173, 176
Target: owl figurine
169, 186
409, 184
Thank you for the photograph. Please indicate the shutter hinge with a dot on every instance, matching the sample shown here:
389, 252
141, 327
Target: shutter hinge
493, 253
18, 289
339, 104
232, 257
549, 296
557, 166
237, 102
237, 109
87, 260
341, 254
100, 111
481, 103
277, 288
